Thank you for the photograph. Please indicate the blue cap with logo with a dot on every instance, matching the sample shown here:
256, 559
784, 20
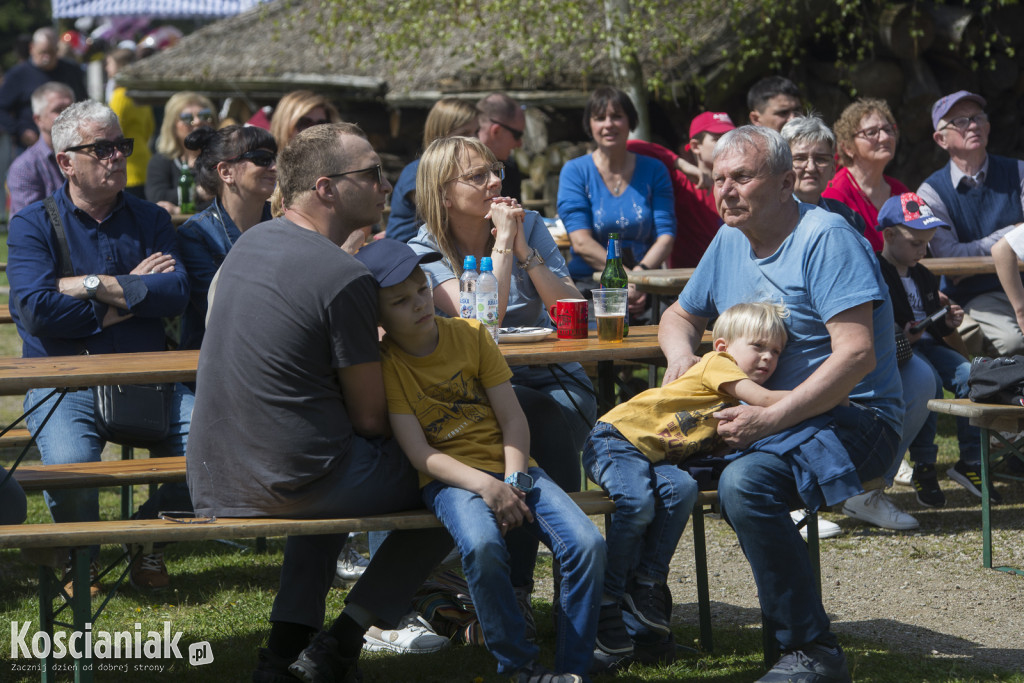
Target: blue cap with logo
391, 262
944, 104
907, 209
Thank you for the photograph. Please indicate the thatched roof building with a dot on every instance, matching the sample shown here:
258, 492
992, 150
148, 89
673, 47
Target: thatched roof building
290, 44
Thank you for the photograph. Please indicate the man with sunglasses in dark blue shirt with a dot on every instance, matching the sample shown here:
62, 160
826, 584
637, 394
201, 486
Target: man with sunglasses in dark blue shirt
122, 280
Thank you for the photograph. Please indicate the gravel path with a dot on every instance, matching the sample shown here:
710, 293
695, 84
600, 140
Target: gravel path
923, 591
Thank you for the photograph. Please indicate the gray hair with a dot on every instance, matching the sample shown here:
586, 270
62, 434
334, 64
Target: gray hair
776, 150
809, 128
46, 34
67, 129
41, 94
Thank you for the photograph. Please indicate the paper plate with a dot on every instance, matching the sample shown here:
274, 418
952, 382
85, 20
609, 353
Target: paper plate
512, 335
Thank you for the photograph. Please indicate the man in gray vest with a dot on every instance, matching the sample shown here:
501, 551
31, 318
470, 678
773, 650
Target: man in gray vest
981, 196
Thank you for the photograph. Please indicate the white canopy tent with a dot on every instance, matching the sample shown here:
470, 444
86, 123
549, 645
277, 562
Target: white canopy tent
157, 9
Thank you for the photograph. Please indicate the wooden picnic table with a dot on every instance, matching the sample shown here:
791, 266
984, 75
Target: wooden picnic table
670, 281
990, 419
18, 375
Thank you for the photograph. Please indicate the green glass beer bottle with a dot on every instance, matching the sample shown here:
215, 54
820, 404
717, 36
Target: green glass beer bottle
614, 275
186, 190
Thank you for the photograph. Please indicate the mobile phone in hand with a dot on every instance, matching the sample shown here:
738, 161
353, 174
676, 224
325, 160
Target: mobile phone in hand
933, 318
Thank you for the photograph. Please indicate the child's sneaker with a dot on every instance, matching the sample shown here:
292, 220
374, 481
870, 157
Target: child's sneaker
612, 637
926, 484
538, 674
650, 604
970, 478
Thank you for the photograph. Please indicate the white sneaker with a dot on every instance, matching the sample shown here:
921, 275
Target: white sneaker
413, 636
826, 529
351, 566
904, 474
874, 507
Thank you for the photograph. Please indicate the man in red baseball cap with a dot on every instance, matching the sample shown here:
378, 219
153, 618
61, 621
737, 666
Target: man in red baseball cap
697, 218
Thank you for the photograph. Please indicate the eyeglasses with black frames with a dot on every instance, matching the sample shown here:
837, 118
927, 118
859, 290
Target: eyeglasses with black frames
874, 132
200, 117
516, 133
377, 168
481, 175
962, 123
104, 149
259, 157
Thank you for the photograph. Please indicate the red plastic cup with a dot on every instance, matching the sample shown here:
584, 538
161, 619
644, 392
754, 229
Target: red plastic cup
570, 315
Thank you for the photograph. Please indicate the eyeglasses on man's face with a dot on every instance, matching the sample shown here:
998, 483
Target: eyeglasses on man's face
962, 123
200, 117
516, 133
874, 132
104, 149
260, 157
481, 175
376, 169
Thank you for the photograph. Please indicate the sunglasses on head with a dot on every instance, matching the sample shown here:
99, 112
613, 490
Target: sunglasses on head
203, 116
259, 157
104, 149
305, 122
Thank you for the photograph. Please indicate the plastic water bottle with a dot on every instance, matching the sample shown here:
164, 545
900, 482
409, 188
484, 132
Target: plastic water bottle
487, 297
467, 288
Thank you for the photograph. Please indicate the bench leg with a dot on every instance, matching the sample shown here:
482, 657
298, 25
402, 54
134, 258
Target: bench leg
81, 608
986, 504
47, 590
700, 562
127, 492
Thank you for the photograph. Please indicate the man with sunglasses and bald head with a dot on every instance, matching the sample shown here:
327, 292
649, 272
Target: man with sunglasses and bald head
981, 197
502, 126
118, 278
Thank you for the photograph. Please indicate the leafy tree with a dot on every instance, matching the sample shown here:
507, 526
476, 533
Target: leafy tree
18, 17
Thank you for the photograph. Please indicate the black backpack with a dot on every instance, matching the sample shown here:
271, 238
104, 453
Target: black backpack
997, 380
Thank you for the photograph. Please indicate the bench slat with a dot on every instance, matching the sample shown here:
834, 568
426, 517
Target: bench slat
15, 438
105, 473
158, 530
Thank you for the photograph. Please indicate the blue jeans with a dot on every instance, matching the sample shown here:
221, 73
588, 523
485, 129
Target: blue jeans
652, 506
953, 371
920, 384
757, 491
576, 544
70, 437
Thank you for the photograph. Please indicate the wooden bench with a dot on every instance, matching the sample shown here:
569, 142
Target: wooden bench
991, 419
133, 472
15, 438
80, 535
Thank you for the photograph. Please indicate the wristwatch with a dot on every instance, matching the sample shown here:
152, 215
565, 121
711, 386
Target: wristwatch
521, 481
91, 284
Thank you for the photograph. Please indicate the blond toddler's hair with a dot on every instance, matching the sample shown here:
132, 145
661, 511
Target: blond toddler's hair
756, 320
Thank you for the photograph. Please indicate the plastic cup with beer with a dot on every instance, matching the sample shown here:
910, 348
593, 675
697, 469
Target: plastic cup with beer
610, 311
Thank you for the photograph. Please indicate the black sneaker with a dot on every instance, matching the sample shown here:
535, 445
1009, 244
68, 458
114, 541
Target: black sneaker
612, 637
811, 664
538, 674
651, 605
926, 483
970, 478
322, 662
664, 651
272, 668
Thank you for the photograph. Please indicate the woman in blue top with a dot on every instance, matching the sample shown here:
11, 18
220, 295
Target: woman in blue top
613, 190
450, 116
237, 165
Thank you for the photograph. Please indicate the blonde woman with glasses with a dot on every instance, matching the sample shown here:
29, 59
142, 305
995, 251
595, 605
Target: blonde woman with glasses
866, 134
458, 188
184, 112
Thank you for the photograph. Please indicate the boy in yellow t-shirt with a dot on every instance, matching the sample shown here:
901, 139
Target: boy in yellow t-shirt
633, 452
454, 413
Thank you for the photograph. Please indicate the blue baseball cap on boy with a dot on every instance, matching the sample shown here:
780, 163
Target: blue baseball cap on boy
907, 209
391, 262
